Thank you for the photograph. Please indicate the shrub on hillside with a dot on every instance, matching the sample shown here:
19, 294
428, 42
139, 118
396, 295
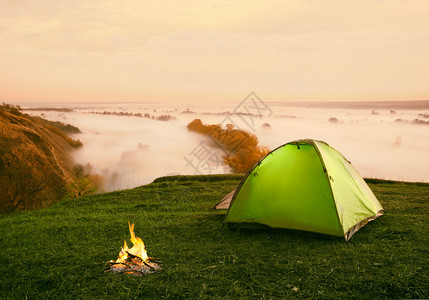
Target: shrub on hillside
13, 109
69, 140
85, 182
66, 128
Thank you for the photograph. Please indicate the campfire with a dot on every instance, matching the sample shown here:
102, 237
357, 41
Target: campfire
133, 261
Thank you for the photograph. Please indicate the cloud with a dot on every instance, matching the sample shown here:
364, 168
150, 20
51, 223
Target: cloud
105, 50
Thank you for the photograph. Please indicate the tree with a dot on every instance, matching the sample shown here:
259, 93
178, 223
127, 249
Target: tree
242, 146
85, 182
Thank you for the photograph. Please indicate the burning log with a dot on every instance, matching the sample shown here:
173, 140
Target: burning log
137, 260
133, 261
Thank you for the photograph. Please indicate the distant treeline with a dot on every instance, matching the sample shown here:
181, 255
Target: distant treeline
139, 115
414, 121
59, 109
241, 146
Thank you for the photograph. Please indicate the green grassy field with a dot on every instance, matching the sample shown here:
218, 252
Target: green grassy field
61, 251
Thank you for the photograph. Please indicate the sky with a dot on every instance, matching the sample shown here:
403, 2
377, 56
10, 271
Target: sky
292, 50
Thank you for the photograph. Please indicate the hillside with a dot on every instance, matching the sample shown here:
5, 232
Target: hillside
35, 161
61, 251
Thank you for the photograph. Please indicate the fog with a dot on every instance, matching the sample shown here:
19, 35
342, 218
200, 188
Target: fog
131, 150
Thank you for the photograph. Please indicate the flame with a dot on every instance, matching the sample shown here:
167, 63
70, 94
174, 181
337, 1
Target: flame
138, 248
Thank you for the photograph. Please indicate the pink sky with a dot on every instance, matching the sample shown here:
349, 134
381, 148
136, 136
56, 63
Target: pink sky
213, 50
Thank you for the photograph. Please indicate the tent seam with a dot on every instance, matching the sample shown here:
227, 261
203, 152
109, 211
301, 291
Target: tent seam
329, 182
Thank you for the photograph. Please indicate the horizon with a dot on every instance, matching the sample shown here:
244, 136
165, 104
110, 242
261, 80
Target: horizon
363, 104
235, 99
293, 51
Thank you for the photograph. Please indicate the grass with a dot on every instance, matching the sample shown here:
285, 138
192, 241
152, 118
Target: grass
61, 251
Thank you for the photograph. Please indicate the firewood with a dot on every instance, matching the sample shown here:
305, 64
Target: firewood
155, 260
133, 265
132, 272
152, 268
131, 256
110, 264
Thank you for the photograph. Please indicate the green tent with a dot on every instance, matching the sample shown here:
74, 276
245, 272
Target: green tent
304, 185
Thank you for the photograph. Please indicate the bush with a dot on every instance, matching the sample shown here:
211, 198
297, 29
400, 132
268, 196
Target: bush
13, 109
69, 140
242, 146
85, 183
81, 187
333, 120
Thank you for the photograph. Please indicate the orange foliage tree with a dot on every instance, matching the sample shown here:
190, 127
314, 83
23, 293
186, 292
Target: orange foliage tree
241, 146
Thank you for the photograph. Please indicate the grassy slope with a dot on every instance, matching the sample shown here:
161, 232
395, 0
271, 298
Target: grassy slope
35, 162
60, 252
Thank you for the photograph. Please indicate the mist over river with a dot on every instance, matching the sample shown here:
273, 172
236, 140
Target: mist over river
131, 144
